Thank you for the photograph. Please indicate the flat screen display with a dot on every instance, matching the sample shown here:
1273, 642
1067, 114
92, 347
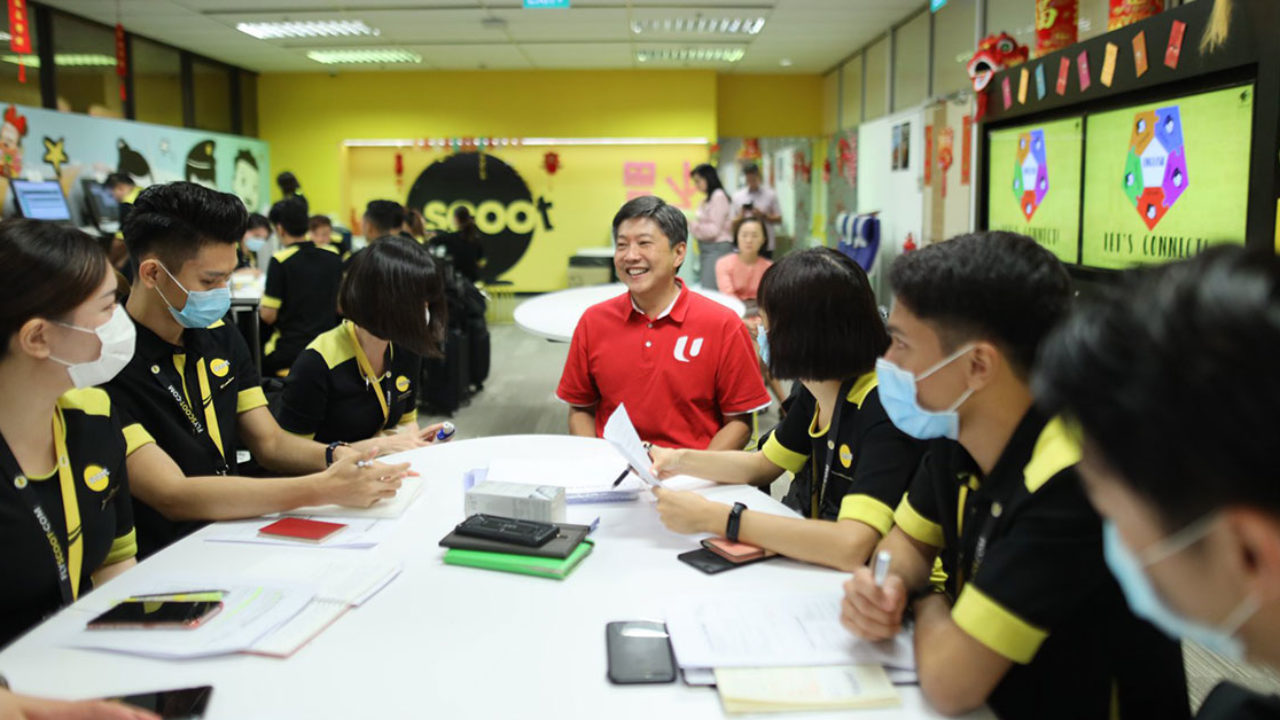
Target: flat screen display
41, 200
1034, 184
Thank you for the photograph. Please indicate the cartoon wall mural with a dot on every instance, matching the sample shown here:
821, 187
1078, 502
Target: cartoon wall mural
71, 146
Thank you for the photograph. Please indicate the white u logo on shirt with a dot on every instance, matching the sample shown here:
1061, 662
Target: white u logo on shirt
694, 349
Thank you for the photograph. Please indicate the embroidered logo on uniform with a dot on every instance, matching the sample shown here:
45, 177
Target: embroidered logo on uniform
694, 348
846, 456
219, 367
402, 384
96, 477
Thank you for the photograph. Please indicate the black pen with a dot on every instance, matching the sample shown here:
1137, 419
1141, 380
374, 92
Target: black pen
621, 477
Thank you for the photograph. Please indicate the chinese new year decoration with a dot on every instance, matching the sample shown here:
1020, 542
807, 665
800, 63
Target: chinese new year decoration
551, 163
995, 53
946, 154
1128, 12
20, 34
1055, 25
122, 61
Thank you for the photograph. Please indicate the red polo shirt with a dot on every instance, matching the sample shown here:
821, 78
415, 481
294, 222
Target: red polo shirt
679, 374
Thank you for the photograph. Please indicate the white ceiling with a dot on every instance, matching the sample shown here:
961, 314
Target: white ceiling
595, 34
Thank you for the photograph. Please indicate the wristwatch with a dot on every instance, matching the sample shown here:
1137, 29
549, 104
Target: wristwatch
328, 451
735, 519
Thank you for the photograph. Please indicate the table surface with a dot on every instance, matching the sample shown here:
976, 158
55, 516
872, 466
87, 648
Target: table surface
555, 315
441, 640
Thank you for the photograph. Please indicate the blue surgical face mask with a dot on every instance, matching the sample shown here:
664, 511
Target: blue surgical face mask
203, 308
762, 339
255, 244
1146, 603
898, 396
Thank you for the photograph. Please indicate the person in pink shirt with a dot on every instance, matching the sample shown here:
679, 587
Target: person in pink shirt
738, 274
713, 226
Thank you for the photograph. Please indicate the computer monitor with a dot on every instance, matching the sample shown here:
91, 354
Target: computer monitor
103, 208
41, 200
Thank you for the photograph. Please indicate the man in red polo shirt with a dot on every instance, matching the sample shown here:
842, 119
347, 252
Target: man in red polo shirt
683, 364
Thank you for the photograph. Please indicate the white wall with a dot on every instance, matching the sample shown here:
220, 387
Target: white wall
896, 194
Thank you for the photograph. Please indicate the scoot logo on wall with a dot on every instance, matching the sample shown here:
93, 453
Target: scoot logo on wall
506, 213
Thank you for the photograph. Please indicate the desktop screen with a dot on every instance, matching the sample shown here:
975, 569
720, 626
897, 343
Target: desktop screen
1165, 180
102, 203
1033, 184
41, 200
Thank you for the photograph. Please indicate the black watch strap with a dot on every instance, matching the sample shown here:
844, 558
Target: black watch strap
735, 520
328, 451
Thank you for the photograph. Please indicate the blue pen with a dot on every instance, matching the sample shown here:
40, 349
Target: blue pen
446, 431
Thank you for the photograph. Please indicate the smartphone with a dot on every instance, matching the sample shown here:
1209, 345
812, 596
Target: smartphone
159, 614
184, 704
639, 652
712, 563
734, 552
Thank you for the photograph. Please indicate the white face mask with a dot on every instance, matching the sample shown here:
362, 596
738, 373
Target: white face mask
117, 336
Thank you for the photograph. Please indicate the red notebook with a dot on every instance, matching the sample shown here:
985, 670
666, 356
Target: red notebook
295, 528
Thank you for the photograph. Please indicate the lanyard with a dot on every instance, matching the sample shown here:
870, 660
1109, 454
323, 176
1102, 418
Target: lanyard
208, 429
967, 565
68, 562
366, 370
818, 494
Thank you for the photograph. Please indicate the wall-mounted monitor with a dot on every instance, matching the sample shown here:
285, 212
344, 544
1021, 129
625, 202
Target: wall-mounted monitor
1033, 183
41, 200
103, 208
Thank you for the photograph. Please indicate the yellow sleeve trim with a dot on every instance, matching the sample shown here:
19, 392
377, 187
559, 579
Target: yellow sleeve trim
862, 388
783, 456
993, 625
122, 548
135, 436
918, 526
1056, 450
410, 418
866, 509
250, 399
90, 401
271, 302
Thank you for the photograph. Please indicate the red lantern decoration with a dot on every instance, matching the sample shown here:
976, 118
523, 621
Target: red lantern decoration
399, 169
1127, 12
122, 61
826, 170
20, 34
750, 149
551, 163
1056, 25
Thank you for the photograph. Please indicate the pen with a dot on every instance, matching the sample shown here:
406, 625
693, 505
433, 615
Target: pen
881, 569
621, 477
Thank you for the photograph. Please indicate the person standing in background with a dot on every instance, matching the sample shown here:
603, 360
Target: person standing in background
758, 200
462, 246
289, 185
712, 227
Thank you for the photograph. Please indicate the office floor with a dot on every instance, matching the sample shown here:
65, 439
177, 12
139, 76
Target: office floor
519, 398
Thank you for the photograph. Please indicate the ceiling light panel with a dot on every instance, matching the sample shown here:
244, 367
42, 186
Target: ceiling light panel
690, 55
698, 25
365, 56
307, 29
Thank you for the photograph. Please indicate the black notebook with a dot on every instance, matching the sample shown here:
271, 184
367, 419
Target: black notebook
561, 546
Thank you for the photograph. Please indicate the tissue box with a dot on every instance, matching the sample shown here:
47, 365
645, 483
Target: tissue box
541, 503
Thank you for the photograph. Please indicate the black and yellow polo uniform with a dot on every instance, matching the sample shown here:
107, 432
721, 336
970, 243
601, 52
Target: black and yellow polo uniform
872, 461
89, 493
1022, 549
332, 393
302, 285
189, 397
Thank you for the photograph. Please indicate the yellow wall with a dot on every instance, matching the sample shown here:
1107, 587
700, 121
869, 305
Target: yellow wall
769, 105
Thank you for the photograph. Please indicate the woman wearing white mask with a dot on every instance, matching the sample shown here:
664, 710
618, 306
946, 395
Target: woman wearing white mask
66, 520
358, 383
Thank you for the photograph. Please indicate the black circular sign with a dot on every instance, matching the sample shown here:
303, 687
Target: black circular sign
506, 212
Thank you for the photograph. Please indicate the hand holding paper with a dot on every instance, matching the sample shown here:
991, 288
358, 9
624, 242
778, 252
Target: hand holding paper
622, 435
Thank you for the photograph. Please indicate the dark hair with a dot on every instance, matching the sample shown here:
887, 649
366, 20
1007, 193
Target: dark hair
385, 290
708, 173
750, 169
319, 221
46, 270
257, 221
117, 179
291, 214
822, 315
996, 286
417, 224
740, 222
244, 156
386, 215
287, 183
1172, 378
173, 220
668, 217
466, 223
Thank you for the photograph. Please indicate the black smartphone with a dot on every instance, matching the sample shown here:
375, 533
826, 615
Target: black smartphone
519, 532
161, 614
712, 563
639, 652
184, 704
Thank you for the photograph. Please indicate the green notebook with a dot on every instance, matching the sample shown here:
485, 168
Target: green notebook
526, 564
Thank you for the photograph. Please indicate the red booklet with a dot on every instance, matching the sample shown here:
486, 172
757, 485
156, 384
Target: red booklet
295, 528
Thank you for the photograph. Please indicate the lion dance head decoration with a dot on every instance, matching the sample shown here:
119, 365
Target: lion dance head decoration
995, 53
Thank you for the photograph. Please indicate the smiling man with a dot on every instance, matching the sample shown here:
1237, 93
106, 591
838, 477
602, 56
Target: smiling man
683, 364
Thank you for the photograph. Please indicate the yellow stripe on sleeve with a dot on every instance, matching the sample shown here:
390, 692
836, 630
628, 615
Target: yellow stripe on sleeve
993, 625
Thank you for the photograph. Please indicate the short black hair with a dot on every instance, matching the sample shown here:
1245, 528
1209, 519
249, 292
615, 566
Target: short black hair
386, 289
668, 217
288, 183
996, 286
117, 179
822, 315
708, 172
257, 221
173, 220
1171, 376
291, 214
386, 215
750, 169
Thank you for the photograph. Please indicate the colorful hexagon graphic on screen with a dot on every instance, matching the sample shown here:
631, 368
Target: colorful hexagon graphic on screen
1155, 171
1030, 173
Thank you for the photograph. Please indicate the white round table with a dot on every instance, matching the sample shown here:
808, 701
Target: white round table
440, 641
555, 315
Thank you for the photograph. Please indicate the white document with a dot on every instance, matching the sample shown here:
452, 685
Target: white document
360, 533
300, 629
578, 476
622, 435
249, 613
389, 508
774, 630
345, 581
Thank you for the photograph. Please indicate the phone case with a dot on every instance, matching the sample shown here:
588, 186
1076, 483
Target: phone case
711, 563
734, 552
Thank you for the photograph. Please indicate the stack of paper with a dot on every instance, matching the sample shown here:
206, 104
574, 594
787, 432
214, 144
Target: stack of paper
785, 689
585, 480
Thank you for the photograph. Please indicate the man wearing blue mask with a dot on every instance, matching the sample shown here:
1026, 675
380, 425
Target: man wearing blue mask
192, 383
1172, 380
1028, 621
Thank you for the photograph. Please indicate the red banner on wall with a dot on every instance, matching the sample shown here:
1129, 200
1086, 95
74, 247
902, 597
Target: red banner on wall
928, 154
19, 27
1055, 25
1128, 12
966, 149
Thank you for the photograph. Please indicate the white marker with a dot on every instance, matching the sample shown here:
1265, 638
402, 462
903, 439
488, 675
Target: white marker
881, 569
